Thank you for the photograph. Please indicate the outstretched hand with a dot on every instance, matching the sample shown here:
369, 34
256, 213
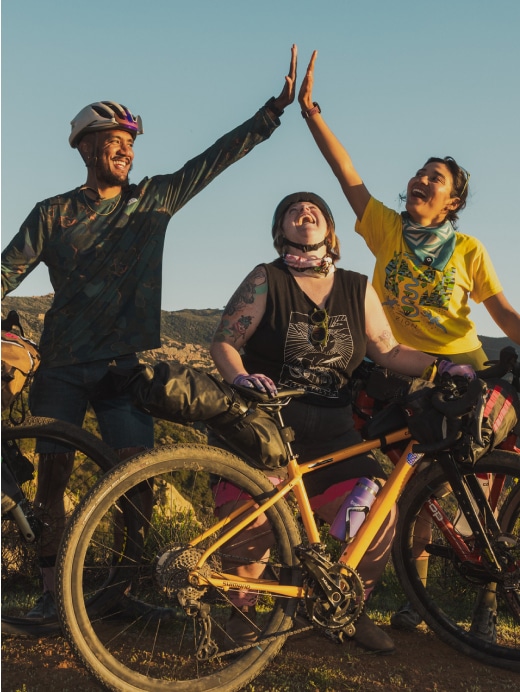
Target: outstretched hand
305, 96
288, 92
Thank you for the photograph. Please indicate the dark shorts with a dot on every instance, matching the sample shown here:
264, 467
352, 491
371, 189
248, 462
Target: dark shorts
320, 430
65, 392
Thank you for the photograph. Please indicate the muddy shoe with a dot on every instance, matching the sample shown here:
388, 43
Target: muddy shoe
371, 637
45, 607
241, 627
406, 618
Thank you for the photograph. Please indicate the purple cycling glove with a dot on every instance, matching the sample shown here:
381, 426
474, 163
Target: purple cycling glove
446, 367
260, 382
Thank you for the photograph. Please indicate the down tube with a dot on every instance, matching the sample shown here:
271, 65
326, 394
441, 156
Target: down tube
383, 503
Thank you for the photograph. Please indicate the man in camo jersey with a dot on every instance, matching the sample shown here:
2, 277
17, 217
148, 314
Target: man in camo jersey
103, 245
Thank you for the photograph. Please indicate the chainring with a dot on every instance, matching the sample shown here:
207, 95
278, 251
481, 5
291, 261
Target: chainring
333, 617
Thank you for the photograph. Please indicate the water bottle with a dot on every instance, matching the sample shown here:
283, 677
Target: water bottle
354, 509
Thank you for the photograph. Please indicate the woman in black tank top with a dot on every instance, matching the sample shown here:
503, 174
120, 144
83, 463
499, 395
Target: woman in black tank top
300, 321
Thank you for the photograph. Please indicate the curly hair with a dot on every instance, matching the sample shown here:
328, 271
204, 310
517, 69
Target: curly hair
460, 187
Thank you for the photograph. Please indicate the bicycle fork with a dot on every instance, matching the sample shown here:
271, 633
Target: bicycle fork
479, 515
15, 504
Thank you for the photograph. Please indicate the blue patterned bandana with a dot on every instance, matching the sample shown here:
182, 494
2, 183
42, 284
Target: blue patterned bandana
431, 246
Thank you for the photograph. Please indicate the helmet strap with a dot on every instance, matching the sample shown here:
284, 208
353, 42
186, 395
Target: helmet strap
303, 248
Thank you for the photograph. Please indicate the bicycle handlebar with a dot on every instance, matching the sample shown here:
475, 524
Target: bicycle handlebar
251, 394
457, 397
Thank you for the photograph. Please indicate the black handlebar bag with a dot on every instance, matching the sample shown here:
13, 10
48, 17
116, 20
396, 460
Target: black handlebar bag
465, 422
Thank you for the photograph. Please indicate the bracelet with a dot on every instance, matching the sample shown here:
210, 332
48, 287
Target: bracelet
430, 371
272, 107
311, 111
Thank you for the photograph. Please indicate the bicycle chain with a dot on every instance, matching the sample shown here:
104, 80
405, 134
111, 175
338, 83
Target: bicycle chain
266, 640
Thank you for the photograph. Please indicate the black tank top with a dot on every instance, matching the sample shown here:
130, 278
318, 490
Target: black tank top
281, 347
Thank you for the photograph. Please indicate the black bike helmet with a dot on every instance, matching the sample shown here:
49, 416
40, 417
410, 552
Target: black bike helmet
302, 197
280, 241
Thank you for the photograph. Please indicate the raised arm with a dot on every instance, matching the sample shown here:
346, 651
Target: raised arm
332, 149
241, 317
181, 186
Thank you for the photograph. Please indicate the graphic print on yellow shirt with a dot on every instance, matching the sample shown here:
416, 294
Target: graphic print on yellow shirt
415, 290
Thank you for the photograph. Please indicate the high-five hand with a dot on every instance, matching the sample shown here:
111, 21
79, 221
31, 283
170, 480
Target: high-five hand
305, 95
288, 92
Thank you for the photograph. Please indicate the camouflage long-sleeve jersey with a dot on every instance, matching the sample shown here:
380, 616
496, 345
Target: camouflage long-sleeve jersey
106, 270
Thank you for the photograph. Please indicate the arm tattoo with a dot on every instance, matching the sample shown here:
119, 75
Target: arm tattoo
233, 328
388, 341
253, 284
231, 331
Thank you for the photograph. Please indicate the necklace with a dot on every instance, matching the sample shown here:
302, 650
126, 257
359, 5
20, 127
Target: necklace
106, 213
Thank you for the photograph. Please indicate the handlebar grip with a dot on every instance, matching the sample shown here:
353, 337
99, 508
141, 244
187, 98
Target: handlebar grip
251, 394
455, 408
12, 320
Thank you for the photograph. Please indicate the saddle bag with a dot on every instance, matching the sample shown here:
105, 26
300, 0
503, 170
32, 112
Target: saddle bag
255, 436
182, 394
178, 393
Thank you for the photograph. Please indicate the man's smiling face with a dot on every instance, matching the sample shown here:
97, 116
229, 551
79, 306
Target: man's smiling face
115, 154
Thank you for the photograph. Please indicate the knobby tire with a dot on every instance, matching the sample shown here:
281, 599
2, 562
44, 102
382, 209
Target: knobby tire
147, 640
21, 582
448, 600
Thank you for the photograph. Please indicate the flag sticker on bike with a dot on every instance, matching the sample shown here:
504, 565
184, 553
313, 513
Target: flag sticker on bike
412, 458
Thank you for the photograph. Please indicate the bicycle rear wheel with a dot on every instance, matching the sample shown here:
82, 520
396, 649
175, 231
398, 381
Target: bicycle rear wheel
449, 601
21, 580
166, 633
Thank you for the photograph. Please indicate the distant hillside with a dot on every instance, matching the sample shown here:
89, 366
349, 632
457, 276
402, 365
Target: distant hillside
186, 334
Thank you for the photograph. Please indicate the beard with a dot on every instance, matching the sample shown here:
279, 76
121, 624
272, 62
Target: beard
107, 177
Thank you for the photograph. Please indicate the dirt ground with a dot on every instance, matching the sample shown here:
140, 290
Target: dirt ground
308, 662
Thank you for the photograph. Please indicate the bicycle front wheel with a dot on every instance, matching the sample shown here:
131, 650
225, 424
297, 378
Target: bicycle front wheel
167, 633
21, 580
457, 598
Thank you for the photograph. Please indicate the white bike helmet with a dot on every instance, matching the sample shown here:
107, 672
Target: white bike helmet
103, 115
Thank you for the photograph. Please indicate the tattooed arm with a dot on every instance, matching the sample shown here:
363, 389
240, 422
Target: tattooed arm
241, 317
382, 346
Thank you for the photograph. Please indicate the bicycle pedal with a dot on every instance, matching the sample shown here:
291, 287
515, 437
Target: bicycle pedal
439, 550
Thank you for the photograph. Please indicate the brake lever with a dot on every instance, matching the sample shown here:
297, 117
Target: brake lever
499, 368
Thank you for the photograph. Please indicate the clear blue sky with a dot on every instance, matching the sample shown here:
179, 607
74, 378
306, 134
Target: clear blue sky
397, 81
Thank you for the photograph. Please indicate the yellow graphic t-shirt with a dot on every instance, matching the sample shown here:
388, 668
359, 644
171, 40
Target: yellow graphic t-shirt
427, 309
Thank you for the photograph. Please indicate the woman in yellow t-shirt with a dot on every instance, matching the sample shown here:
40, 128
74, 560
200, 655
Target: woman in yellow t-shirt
425, 270
424, 274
